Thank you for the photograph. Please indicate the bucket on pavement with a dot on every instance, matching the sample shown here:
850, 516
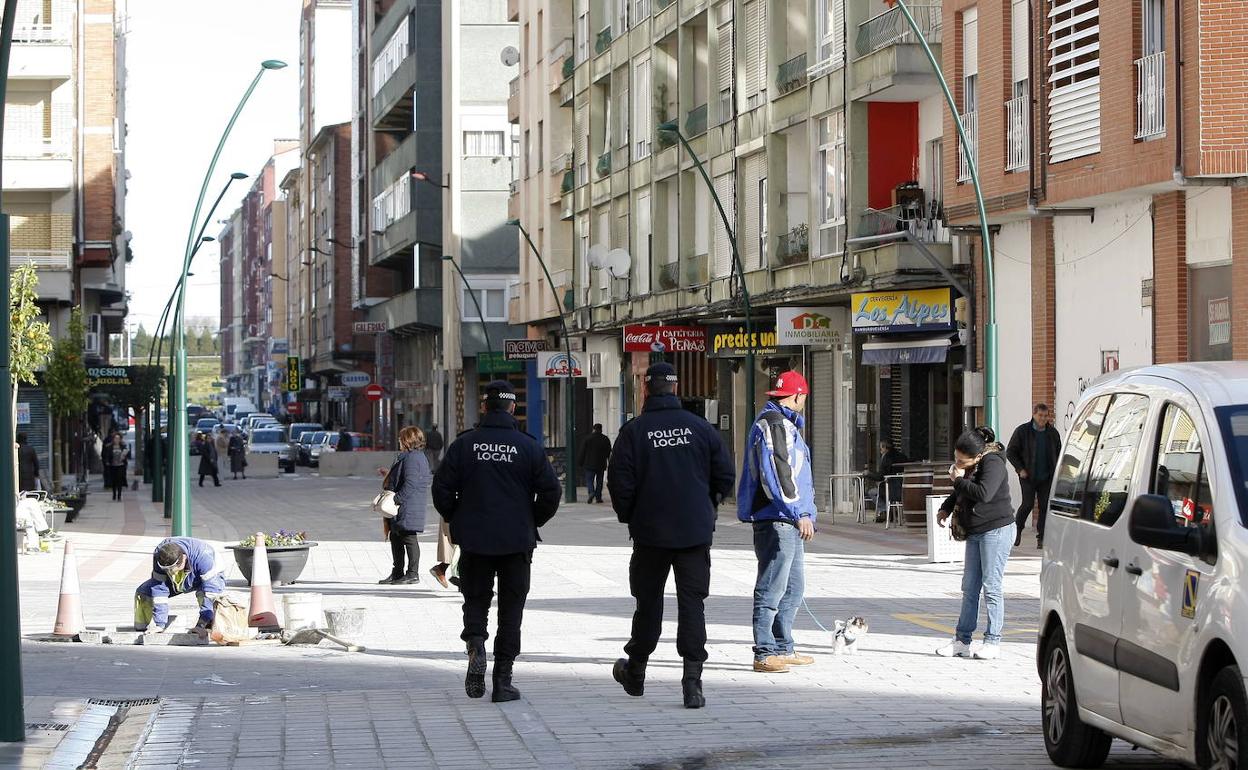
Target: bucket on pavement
346, 623
302, 611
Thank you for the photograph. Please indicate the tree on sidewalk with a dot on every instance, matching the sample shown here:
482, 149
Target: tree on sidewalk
30, 340
66, 381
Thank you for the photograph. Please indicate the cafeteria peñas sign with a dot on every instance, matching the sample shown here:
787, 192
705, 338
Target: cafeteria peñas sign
664, 339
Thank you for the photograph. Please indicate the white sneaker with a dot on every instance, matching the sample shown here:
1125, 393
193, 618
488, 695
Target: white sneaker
988, 652
954, 649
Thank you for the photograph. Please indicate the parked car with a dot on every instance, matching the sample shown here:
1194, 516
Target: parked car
306, 442
267, 441
291, 458
206, 424
1144, 608
231, 405
257, 420
361, 442
194, 412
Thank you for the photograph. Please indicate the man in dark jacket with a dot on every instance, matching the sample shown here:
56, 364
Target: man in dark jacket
345, 442
1033, 451
593, 459
434, 444
495, 487
669, 471
27, 465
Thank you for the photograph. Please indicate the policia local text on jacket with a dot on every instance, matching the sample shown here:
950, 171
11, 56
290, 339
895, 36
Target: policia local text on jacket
495, 487
668, 472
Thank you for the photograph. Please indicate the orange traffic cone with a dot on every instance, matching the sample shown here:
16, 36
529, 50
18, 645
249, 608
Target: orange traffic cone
69, 608
263, 613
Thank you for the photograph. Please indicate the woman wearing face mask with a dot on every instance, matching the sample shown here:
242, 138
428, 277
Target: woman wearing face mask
981, 506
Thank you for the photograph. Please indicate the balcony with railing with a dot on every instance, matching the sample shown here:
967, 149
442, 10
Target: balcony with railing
1017, 133
695, 121
970, 125
41, 52
603, 41
603, 167
794, 246
791, 75
903, 239
1150, 96
890, 63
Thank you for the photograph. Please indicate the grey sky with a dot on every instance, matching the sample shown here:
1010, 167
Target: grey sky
189, 63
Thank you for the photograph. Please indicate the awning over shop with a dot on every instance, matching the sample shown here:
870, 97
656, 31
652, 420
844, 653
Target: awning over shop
910, 350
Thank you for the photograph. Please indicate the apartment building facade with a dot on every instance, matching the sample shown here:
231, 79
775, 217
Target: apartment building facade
816, 129
1112, 151
65, 173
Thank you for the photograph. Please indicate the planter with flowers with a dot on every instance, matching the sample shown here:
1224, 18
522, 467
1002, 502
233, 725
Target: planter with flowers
287, 555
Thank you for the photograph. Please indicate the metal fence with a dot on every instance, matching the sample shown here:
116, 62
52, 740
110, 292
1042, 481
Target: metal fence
1017, 127
1150, 95
890, 28
970, 124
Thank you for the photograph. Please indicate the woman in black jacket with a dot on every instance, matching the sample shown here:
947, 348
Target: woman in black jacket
981, 507
409, 478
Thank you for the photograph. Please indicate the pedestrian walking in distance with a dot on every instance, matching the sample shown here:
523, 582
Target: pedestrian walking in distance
222, 442
669, 471
116, 458
238, 456
777, 496
409, 479
981, 506
27, 466
180, 565
1033, 451
208, 460
345, 442
495, 487
595, 451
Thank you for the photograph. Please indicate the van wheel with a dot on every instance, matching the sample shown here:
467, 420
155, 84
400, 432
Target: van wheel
1069, 742
1222, 722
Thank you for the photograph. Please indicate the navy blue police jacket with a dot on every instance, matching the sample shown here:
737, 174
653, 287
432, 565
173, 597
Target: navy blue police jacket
495, 487
668, 472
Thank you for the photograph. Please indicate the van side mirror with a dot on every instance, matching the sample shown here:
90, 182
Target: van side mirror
1152, 524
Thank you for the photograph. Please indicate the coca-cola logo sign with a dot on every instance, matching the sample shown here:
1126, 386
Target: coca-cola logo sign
664, 339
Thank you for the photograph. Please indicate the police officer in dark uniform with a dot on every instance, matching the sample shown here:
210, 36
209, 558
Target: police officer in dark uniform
668, 472
495, 487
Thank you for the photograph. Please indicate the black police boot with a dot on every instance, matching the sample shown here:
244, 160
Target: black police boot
691, 684
632, 675
503, 689
474, 682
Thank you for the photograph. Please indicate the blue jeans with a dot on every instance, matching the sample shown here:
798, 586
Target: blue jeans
983, 570
593, 485
779, 587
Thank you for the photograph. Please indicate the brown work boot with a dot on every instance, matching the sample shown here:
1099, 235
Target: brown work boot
772, 664
795, 659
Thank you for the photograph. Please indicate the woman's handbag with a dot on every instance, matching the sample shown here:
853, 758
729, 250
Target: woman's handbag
386, 504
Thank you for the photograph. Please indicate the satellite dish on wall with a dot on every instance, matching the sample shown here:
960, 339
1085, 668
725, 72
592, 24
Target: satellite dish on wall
617, 263
597, 256
509, 56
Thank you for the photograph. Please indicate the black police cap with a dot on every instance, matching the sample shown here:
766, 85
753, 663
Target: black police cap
661, 372
499, 390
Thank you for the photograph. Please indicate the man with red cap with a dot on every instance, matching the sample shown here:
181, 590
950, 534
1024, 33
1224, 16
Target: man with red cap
777, 496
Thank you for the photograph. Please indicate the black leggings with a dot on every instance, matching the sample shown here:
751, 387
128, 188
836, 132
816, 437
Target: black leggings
404, 544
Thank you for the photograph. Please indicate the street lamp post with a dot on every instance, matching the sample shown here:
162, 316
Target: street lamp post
485, 330
990, 327
569, 481
177, 406
671, 127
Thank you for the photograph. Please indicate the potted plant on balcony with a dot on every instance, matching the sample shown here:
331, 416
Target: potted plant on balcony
287, 555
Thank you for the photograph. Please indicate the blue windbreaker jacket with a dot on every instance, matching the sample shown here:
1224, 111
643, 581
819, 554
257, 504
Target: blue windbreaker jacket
776, 482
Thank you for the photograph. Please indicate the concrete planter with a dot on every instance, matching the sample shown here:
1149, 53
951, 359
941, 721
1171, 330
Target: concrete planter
286, 562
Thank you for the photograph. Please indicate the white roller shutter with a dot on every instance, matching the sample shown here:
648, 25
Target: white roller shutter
750, 66
621, 111
751, 175
760, 55
642, 245
721, 258
642, 115
723, 73
970, 42
1019, 41
581, 151
1074, 63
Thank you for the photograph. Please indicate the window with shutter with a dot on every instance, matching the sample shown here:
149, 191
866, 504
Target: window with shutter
581, 225
642, 252
622, 115
721, 263
1019, 42
760, 55
749, 56
582, 30
581, 149
642, 116
723, 73
751, 176
1074, 75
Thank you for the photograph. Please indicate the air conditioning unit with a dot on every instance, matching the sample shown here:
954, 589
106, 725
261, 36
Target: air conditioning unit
94, 327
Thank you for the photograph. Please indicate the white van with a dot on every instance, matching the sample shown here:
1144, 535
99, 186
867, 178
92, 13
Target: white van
231, 404
1144, 585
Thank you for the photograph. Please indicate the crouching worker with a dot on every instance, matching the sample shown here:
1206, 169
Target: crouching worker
180, 565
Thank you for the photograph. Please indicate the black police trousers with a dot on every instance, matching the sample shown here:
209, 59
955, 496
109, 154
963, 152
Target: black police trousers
647, 576
476, 583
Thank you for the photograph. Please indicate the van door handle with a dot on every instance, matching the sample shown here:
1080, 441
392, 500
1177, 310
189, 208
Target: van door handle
1110, 561
1132, 569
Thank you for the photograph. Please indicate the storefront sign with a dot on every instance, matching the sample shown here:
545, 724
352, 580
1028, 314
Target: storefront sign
337, 393
732, 341
23, 413
108, 375
915, 310
279, 346
369, 327
664, 339
1220, 321
292, 374
522, 350
354, 379
497, 363
809, 325
554, 364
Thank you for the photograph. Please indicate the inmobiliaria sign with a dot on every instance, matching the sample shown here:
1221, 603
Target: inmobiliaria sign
664, 339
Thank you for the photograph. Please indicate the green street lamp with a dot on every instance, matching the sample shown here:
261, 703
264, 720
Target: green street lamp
485, 330
671, 127
991, 415
177, 407
569, 481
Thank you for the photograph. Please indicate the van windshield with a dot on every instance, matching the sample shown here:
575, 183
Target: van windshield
266, 437
1234, 423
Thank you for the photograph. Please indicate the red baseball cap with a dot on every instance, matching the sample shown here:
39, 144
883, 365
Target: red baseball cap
789, 384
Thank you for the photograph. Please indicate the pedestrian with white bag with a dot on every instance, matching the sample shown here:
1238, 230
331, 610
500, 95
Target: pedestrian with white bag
403, 503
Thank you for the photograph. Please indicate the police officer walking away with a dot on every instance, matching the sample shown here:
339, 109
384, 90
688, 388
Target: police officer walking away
495, 487
668, 472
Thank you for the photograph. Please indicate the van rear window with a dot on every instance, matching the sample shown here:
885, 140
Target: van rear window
1233, 421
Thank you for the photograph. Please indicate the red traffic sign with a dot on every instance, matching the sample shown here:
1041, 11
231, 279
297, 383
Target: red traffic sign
374, 392
294, 407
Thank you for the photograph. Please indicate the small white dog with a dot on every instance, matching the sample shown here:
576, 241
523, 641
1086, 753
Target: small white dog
847, 633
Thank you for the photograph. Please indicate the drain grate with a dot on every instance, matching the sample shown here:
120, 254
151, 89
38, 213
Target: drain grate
123, 702
54, 726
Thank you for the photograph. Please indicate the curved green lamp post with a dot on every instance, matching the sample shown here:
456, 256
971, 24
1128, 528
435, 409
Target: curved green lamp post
485, 330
